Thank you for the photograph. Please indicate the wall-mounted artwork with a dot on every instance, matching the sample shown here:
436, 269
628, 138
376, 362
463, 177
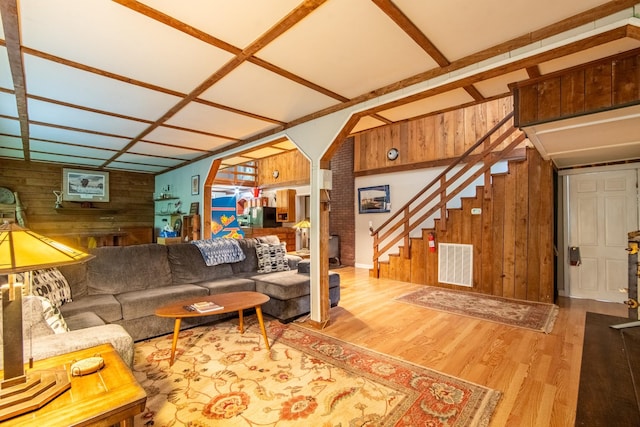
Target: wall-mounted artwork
195, 185
79, 185
374, 199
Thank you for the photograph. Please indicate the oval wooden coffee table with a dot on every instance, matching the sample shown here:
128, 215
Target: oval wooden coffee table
232, 301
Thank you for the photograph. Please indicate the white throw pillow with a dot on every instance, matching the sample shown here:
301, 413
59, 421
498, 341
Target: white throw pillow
271, 257
51, 284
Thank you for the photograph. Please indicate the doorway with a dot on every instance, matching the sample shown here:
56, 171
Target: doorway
601, 208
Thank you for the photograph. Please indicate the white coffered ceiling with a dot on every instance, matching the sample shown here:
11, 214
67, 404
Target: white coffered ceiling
152, 85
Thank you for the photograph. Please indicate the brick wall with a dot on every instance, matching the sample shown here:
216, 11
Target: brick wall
342, 215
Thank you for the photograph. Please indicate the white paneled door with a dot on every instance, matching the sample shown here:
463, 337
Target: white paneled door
603, 208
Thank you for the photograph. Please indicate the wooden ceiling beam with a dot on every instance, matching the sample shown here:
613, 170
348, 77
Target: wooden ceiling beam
396, 15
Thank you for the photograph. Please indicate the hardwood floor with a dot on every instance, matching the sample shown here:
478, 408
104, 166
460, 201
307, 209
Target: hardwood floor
537, 373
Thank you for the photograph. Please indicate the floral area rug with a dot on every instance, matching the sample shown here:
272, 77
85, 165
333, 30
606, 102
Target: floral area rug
223, 378
524, 314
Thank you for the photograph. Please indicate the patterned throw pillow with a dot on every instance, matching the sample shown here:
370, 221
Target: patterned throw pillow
271, 257
51, 284
53, 317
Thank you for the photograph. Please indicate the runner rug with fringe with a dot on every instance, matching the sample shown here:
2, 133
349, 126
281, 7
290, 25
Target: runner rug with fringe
524, 314
223, 378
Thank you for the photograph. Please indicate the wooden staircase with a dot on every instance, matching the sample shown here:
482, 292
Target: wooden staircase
512, 234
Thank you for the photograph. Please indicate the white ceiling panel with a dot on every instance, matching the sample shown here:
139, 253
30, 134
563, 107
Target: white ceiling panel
236, 160
8, 106
71, 150
346, 57
55, 81
266, 94
220, 122
499, 85
238, 22
9, 126
74, 137
11, 154
133, 167
66, 159
14, 142
149, 160
365, 123
603, 154
427, 105
263, 152
475, 26
186, 139
286, 144
111, 37
47, 112
612, 135
5, 72
164, 150
588, 55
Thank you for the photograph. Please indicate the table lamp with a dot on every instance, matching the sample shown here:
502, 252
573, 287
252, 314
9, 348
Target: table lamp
21, 251
304, 225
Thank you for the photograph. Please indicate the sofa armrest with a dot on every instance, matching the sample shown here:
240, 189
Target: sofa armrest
293, 261
56, 344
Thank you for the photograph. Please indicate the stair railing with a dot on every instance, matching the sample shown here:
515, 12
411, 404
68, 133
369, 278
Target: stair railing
435, 195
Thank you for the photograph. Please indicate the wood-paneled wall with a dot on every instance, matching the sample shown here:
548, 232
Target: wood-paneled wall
512, 237
601, 85
130, 209
293, 169
428, 139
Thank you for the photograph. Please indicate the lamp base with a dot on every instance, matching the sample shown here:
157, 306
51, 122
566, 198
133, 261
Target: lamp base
28, 393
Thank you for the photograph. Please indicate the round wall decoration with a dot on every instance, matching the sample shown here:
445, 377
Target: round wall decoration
392, 154
6, 196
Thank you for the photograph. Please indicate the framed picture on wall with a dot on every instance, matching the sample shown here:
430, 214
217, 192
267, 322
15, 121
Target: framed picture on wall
195, 185
79, 185
374, 199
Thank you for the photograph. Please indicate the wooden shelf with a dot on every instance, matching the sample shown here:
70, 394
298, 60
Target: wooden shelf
165, 199
86, 211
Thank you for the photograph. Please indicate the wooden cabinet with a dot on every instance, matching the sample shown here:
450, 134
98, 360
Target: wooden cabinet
190, 227
285, 234
285, 205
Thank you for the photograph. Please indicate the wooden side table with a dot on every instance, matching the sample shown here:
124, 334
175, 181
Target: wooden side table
111, 396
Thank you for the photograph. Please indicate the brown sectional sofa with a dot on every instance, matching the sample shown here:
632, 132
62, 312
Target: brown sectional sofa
122, 286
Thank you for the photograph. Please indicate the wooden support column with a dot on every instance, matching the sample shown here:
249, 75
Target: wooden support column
320, 316
325, 304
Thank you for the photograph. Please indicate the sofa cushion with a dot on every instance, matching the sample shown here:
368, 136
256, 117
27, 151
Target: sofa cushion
229, 284
250, 263
285, 285
118, 269
106, 307
88, 319
138, 304
50, 283
76, 275
188, 266
271, 257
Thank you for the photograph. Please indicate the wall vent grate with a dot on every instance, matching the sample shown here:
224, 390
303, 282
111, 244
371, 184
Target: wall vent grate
455, 264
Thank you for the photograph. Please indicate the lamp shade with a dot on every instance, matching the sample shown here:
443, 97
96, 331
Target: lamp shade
303, 224
23, 250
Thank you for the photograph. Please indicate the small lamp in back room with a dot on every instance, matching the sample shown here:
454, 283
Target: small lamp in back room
304, 226
22, 251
